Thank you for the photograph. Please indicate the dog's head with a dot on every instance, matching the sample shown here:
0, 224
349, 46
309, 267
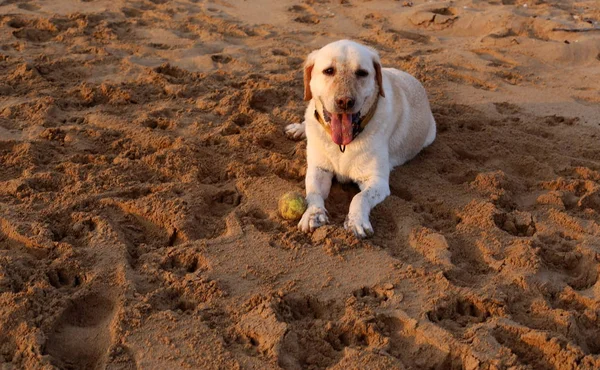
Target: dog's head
345, 77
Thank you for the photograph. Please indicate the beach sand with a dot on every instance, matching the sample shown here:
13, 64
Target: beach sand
142, 155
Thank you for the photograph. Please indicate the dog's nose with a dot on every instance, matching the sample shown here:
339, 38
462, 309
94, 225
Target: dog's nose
345, 103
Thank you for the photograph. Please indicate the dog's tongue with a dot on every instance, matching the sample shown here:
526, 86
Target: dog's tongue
341, 128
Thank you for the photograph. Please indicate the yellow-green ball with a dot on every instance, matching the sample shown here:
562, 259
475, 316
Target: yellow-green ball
292, 206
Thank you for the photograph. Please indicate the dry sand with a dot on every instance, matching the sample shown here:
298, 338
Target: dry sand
142, 154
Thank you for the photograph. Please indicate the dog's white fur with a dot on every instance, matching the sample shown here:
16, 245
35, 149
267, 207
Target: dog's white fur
401, 126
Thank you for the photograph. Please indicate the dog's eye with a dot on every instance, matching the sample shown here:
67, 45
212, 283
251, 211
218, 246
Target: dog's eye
329, 71
362, 73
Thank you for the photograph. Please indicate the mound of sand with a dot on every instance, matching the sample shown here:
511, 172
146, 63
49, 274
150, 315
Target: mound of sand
142, 155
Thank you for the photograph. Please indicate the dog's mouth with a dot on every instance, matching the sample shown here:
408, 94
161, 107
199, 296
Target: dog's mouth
342, 127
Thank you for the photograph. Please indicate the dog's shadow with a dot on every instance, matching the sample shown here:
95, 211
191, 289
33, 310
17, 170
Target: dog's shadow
338, 205
338, 202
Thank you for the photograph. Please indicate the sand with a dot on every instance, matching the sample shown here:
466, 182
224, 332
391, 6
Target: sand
142, 155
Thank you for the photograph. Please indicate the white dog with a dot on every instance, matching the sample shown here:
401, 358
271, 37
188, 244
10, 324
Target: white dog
362, 121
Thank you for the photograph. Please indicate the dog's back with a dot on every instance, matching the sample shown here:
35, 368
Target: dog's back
415, 125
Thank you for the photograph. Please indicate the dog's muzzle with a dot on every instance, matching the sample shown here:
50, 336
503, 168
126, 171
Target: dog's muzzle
344, 127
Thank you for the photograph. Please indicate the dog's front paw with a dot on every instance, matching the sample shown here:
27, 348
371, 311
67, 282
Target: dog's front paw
360, 226
313, 218
295, 131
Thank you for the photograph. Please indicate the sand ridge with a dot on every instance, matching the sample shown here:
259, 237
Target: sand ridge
142, 156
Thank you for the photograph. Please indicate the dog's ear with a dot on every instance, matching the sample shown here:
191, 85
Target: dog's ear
308, 67
378, 75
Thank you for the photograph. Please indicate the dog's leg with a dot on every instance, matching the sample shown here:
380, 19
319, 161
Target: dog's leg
295, 131
318, 184
372, 193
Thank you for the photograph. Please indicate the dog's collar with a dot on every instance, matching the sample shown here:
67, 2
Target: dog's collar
357, 127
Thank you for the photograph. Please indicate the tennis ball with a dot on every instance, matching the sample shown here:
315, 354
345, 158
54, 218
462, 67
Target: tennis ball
292, 206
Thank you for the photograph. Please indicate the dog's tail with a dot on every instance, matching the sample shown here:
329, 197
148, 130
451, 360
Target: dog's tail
296, 131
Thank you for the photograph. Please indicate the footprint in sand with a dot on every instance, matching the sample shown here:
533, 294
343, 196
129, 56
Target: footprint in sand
81, 337
136, 232
507, 108
576, 265
458, 314
405, 345
470, 268
62, 277
34, 34
516, 223
305, 13
527, 352
435, 18
29, 7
